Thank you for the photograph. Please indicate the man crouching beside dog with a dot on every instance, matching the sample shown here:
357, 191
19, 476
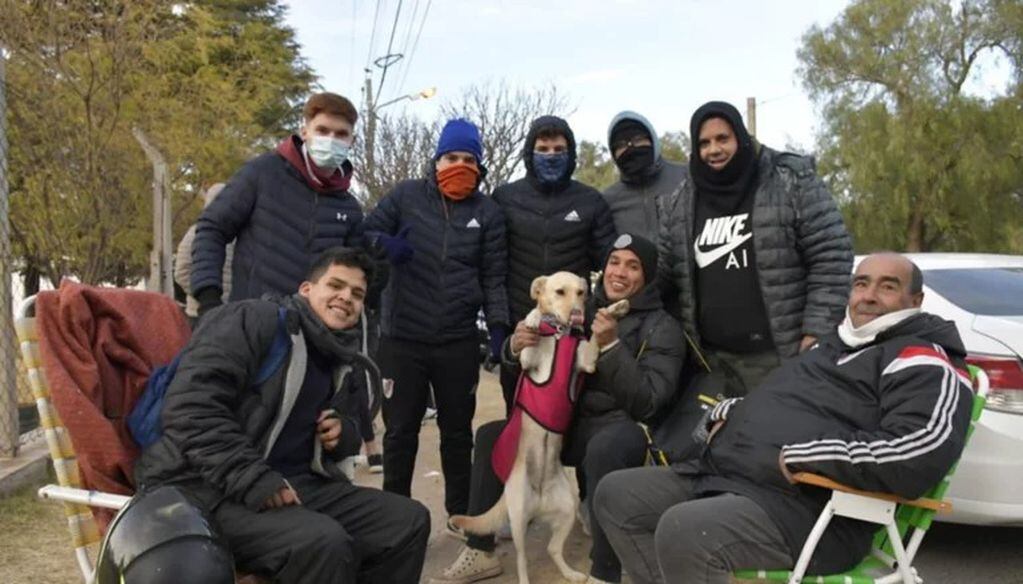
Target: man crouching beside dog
640, 358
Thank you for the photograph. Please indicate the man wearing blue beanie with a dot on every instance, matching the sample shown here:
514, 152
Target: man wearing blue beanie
446, 243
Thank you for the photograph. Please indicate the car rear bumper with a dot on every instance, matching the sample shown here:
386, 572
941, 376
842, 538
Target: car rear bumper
986, 489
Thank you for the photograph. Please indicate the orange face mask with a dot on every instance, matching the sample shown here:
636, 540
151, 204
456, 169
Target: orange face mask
457, 181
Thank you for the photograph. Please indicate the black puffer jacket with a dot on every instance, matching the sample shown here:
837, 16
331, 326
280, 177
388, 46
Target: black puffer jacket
281, 225
217, 428
459, 264
564, 226
636, 378
889, 416
803, 252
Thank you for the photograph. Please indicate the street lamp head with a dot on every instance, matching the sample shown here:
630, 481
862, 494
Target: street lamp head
428, 93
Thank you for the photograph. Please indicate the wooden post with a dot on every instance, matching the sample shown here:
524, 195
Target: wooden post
160, 269
751, 116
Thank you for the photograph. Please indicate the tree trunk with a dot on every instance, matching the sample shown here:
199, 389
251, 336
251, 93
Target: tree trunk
915, 232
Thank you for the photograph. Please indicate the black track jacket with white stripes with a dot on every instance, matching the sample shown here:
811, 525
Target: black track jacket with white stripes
889, 416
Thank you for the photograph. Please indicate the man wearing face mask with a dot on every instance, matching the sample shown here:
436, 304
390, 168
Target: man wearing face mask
757, 249
282, 209
554, 223
643, 174
446, 243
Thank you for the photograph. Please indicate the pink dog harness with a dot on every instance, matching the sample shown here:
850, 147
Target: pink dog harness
549, 403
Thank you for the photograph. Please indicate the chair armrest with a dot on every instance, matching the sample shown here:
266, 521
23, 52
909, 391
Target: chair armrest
816, 480
83, 497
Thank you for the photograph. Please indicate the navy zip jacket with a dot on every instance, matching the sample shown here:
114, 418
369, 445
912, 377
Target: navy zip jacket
458, 266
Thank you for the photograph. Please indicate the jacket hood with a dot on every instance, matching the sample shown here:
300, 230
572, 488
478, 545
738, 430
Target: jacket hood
527, 151
631, 115
931, 328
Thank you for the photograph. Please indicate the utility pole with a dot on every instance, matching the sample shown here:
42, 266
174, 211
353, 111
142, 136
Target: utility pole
9, 430
160, 273
371, 127
751, 115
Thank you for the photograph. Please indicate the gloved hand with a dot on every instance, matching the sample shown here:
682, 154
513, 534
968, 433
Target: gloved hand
208, 299
397, 247
498, 334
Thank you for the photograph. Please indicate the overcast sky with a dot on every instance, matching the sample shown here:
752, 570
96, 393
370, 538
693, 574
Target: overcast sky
660, 58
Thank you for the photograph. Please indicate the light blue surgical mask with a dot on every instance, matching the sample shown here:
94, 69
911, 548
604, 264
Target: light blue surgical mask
550, 168
327, 153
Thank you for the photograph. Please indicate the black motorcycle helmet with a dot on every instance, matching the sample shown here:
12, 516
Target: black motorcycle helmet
163, 536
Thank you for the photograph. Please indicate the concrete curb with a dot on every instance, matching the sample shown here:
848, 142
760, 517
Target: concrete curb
28, 468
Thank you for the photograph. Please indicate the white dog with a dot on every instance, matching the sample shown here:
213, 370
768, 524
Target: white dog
537, 485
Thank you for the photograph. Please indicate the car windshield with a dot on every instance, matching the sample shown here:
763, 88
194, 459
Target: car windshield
988, 291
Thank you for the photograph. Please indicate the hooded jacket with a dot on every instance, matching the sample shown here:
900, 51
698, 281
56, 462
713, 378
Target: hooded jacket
218, 429
803, 251
551, 227
888, 416
633, 199
636, 378
282, 221
459, 264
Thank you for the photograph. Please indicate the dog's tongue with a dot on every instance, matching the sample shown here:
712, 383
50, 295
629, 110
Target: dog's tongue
576, 319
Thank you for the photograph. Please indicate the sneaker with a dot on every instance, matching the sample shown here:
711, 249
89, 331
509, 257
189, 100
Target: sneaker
592, 580
430, 414
470, 566
454, 531
376, 463
583, 515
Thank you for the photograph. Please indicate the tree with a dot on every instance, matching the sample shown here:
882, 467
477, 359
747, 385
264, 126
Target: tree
209, 82
503, 115
403, 149
917, 162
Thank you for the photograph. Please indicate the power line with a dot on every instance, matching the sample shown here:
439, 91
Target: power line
390, 46
373, 35
351, 51
408, 38
415, 45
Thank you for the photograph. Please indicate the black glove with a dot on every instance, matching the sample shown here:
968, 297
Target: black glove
208, 299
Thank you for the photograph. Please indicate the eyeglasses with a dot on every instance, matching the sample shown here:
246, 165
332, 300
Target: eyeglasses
633, 143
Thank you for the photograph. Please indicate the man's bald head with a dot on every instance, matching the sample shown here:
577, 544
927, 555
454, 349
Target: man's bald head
884, 282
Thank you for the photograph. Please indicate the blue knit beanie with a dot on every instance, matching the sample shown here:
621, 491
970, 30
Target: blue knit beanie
459, 135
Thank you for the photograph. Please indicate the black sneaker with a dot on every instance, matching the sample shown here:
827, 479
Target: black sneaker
375, 463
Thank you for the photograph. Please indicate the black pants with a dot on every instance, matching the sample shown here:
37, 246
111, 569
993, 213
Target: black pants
340, 534
509, 381
613, 447
452, 369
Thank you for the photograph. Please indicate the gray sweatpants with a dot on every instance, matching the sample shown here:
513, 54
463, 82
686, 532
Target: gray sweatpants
662, 534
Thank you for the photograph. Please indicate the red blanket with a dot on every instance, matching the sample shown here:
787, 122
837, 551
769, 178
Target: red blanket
98, 347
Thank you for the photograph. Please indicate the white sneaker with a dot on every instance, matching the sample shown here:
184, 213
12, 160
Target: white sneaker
470, 566
592, 580
430, 414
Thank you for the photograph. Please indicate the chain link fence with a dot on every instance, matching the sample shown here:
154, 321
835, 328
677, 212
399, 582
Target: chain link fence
10, 394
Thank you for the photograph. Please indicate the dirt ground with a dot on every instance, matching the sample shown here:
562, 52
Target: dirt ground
35, 546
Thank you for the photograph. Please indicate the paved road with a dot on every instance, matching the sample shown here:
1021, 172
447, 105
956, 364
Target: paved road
961, 554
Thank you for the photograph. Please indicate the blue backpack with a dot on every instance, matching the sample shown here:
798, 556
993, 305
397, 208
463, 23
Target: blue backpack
144, 419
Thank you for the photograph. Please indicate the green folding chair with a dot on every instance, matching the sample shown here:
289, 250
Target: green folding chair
904, 523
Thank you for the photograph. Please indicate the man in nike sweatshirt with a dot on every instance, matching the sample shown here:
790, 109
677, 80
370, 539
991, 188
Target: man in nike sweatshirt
756, 248
883, 405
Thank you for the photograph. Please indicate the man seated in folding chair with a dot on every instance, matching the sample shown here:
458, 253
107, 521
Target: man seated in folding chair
883, 405
261, 458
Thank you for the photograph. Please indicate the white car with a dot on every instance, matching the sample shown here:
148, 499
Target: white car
983, 295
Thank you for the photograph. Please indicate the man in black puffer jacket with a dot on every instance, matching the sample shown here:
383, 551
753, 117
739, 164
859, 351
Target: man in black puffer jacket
554, 223
446, 244
263, 456
883, 405
755, 246
282, 209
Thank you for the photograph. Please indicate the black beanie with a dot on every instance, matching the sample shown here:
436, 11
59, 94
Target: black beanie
644, 249
627, 130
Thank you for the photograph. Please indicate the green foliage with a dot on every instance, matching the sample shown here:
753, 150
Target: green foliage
917, 163
211, 84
